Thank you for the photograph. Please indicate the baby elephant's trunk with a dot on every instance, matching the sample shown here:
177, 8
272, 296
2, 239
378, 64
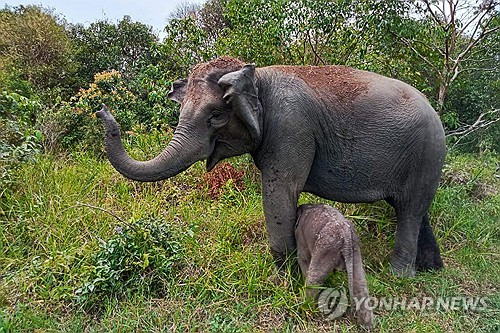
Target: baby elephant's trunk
357, 280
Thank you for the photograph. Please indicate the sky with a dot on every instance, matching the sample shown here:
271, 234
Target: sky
150, 12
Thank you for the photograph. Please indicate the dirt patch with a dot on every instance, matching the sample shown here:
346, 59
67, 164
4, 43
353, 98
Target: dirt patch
455, 177
253, 233
341, 81
226, 64
481, 190
209, 72
477, 189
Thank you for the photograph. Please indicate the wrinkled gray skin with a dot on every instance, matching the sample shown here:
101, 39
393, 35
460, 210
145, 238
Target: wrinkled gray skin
327, 241
340, 133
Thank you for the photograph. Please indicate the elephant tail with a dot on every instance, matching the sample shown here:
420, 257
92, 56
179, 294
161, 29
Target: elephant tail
358, 287
348, 254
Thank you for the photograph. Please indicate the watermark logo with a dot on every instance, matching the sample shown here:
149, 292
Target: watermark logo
450, 303
333, 302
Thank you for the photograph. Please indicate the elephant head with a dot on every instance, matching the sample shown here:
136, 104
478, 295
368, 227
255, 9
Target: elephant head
220, 117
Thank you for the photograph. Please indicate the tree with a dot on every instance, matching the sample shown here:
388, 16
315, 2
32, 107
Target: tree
34, 43
212, 18
308, 32
186, 43
184, 9
124, 46
451, 33
473, 101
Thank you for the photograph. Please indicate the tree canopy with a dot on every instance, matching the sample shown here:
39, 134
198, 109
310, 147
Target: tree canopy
448, 49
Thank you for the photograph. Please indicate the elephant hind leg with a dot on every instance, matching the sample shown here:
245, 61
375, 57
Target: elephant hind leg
405, 245
415, 244
320, 266
428, 255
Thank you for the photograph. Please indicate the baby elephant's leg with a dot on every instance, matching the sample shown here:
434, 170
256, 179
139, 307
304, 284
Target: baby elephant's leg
303, 258
322, 263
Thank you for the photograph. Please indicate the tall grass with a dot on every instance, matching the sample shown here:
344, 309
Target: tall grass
60, 211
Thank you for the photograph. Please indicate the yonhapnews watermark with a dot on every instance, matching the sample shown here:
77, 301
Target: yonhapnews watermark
333, 303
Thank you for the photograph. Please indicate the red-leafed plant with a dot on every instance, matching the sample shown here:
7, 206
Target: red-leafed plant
221, 175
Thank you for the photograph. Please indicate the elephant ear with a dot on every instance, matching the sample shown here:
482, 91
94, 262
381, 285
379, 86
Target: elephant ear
240, 92
178, 91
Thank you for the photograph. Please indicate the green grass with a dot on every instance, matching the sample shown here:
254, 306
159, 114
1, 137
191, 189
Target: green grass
227, 281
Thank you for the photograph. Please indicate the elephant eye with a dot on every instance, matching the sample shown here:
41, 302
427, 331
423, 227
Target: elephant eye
219, 118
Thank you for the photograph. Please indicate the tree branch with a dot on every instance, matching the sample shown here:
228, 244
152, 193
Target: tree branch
473, 43
428, 4
470, 21
102, 210
317, 56
466, 130
408, 44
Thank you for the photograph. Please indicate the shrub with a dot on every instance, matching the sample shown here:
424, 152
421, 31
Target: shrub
74, 123
143, 255
142, 102
151, 87
19, 140
108, 88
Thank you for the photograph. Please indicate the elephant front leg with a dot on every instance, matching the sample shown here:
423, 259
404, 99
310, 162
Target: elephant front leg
280, 206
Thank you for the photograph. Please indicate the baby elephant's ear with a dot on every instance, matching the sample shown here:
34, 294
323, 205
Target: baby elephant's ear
240, 92
178, 91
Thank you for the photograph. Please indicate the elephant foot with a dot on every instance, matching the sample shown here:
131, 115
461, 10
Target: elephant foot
401, 266
428, 255
403, 271
428, 259
429, 263
280, 259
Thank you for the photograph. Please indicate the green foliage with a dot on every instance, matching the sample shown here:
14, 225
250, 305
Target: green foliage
185, 45
477, 91
151, 87
256, 31
143, 255
11, 79
74, 123
308, 32
105, 46
21, 109
34, 44
225, 276
19, 140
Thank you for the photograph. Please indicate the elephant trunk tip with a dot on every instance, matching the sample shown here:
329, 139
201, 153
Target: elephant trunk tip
103, 112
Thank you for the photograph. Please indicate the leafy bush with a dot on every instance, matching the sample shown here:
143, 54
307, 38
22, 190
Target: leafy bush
151, 87
74, 123
104, 45
108, 88
143, 255
36, 45
141, 103
19, 141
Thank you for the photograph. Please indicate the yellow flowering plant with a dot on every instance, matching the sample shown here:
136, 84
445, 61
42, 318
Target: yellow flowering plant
139, 104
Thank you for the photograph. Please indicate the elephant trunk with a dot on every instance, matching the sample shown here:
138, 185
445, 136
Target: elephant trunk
176, 157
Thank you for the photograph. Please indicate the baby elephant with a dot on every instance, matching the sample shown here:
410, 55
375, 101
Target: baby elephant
326, 241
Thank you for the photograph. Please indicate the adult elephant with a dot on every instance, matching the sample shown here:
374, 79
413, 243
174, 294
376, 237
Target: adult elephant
337, 132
